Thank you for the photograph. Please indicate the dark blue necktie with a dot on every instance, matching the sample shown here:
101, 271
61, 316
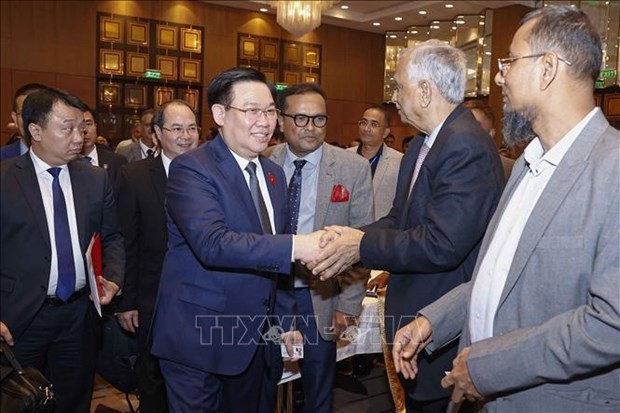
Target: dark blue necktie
294, 194
64, 250
257, 197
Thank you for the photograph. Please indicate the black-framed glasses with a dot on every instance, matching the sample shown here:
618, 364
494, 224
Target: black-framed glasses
504, 64
178, 130
364, 123
253, 114
301, 120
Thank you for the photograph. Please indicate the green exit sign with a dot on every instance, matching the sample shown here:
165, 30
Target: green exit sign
608, 74
600, 84
152, 74
281, 86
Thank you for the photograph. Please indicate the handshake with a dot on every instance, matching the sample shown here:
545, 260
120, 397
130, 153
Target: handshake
330, 251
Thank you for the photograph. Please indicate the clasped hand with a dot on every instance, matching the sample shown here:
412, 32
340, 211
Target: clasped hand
336, 249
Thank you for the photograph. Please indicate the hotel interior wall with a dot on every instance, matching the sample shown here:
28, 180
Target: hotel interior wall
53, 42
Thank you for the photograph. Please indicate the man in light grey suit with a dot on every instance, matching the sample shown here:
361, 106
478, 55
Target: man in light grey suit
145, 146
335, 188
384, 161
539, 324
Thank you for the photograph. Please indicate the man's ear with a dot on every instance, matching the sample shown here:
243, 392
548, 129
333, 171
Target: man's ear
14, 117
157, 132
386, 133
425, 91
35, 131
549, 72
219, 114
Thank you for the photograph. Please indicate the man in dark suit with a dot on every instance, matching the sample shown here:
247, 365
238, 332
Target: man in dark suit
227, 249
142, 214
100, 155
20, 145
448, 187
145, 146
51, 206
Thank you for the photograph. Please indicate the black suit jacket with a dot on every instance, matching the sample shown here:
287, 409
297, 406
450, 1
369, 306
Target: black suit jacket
111, 162
24, 236
429, 242
142, 216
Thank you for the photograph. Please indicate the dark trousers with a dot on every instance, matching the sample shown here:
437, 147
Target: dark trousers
427, 406
151, 385
318, 367
53, 343
195, 391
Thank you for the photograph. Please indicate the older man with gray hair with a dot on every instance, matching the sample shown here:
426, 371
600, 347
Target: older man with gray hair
448, 187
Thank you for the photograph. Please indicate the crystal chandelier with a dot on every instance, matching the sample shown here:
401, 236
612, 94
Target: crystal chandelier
300, 17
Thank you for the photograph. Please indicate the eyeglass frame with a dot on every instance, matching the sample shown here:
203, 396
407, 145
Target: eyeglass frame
184, 130
308, 117
504, 63
260, 112
369, 123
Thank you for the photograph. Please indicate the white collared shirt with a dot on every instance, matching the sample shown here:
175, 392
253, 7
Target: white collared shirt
430, 139
94, 157
261, 183
166, 161
45, 180
144, 150
495, 266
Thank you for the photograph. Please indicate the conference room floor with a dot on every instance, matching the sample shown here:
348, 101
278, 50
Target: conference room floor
107, 399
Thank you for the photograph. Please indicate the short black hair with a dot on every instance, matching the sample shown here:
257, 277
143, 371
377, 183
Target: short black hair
219, 90
92, 113
382, 109
38, 106
298, 89
25, 90
159, 119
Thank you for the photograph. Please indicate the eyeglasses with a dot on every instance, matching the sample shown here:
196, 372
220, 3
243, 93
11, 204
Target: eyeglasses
253, 114
504, 64
365, 123
178, 130
301, 121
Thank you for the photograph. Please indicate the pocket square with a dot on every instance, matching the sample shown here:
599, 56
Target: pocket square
339, 194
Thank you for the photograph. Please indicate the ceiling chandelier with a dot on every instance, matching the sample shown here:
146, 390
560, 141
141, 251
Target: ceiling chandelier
300, 17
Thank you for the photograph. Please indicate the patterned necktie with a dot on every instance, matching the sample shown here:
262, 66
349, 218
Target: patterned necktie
418, 165
87, 159
257, 197
150, 154
64, 249
294, 195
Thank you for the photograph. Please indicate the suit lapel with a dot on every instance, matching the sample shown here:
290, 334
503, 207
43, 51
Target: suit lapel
235, 181
277, 200
552, 197
381, 168
79, 185
407, 166
27, 180
324, 187
158, 179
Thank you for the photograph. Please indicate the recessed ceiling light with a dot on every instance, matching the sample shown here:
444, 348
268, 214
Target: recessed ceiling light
344, 7
435, 21
422, 12
435, 27
398, 18
481, 23
460, 22
264, 10
448, 6
414, 32
392, 36
376, 24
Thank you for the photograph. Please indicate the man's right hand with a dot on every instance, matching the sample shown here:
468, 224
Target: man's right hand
408, 343
307, 246
128, 320
5, 334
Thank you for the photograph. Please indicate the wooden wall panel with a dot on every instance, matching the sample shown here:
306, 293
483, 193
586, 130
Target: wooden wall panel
53, 42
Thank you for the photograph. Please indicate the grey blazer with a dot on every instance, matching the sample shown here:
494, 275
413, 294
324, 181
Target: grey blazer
343, 293
132, 151
384, 181
556, 343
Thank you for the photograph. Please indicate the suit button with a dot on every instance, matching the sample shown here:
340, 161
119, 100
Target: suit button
46, 259
44, 288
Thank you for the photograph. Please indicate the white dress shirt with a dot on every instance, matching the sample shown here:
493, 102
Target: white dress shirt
166, 161
45, 180
261, 183
94, 157
495, 266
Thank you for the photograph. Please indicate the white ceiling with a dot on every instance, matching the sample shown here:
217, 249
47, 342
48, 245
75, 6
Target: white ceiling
362, 14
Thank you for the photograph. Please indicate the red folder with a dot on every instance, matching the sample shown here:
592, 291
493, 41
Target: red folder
97, 261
